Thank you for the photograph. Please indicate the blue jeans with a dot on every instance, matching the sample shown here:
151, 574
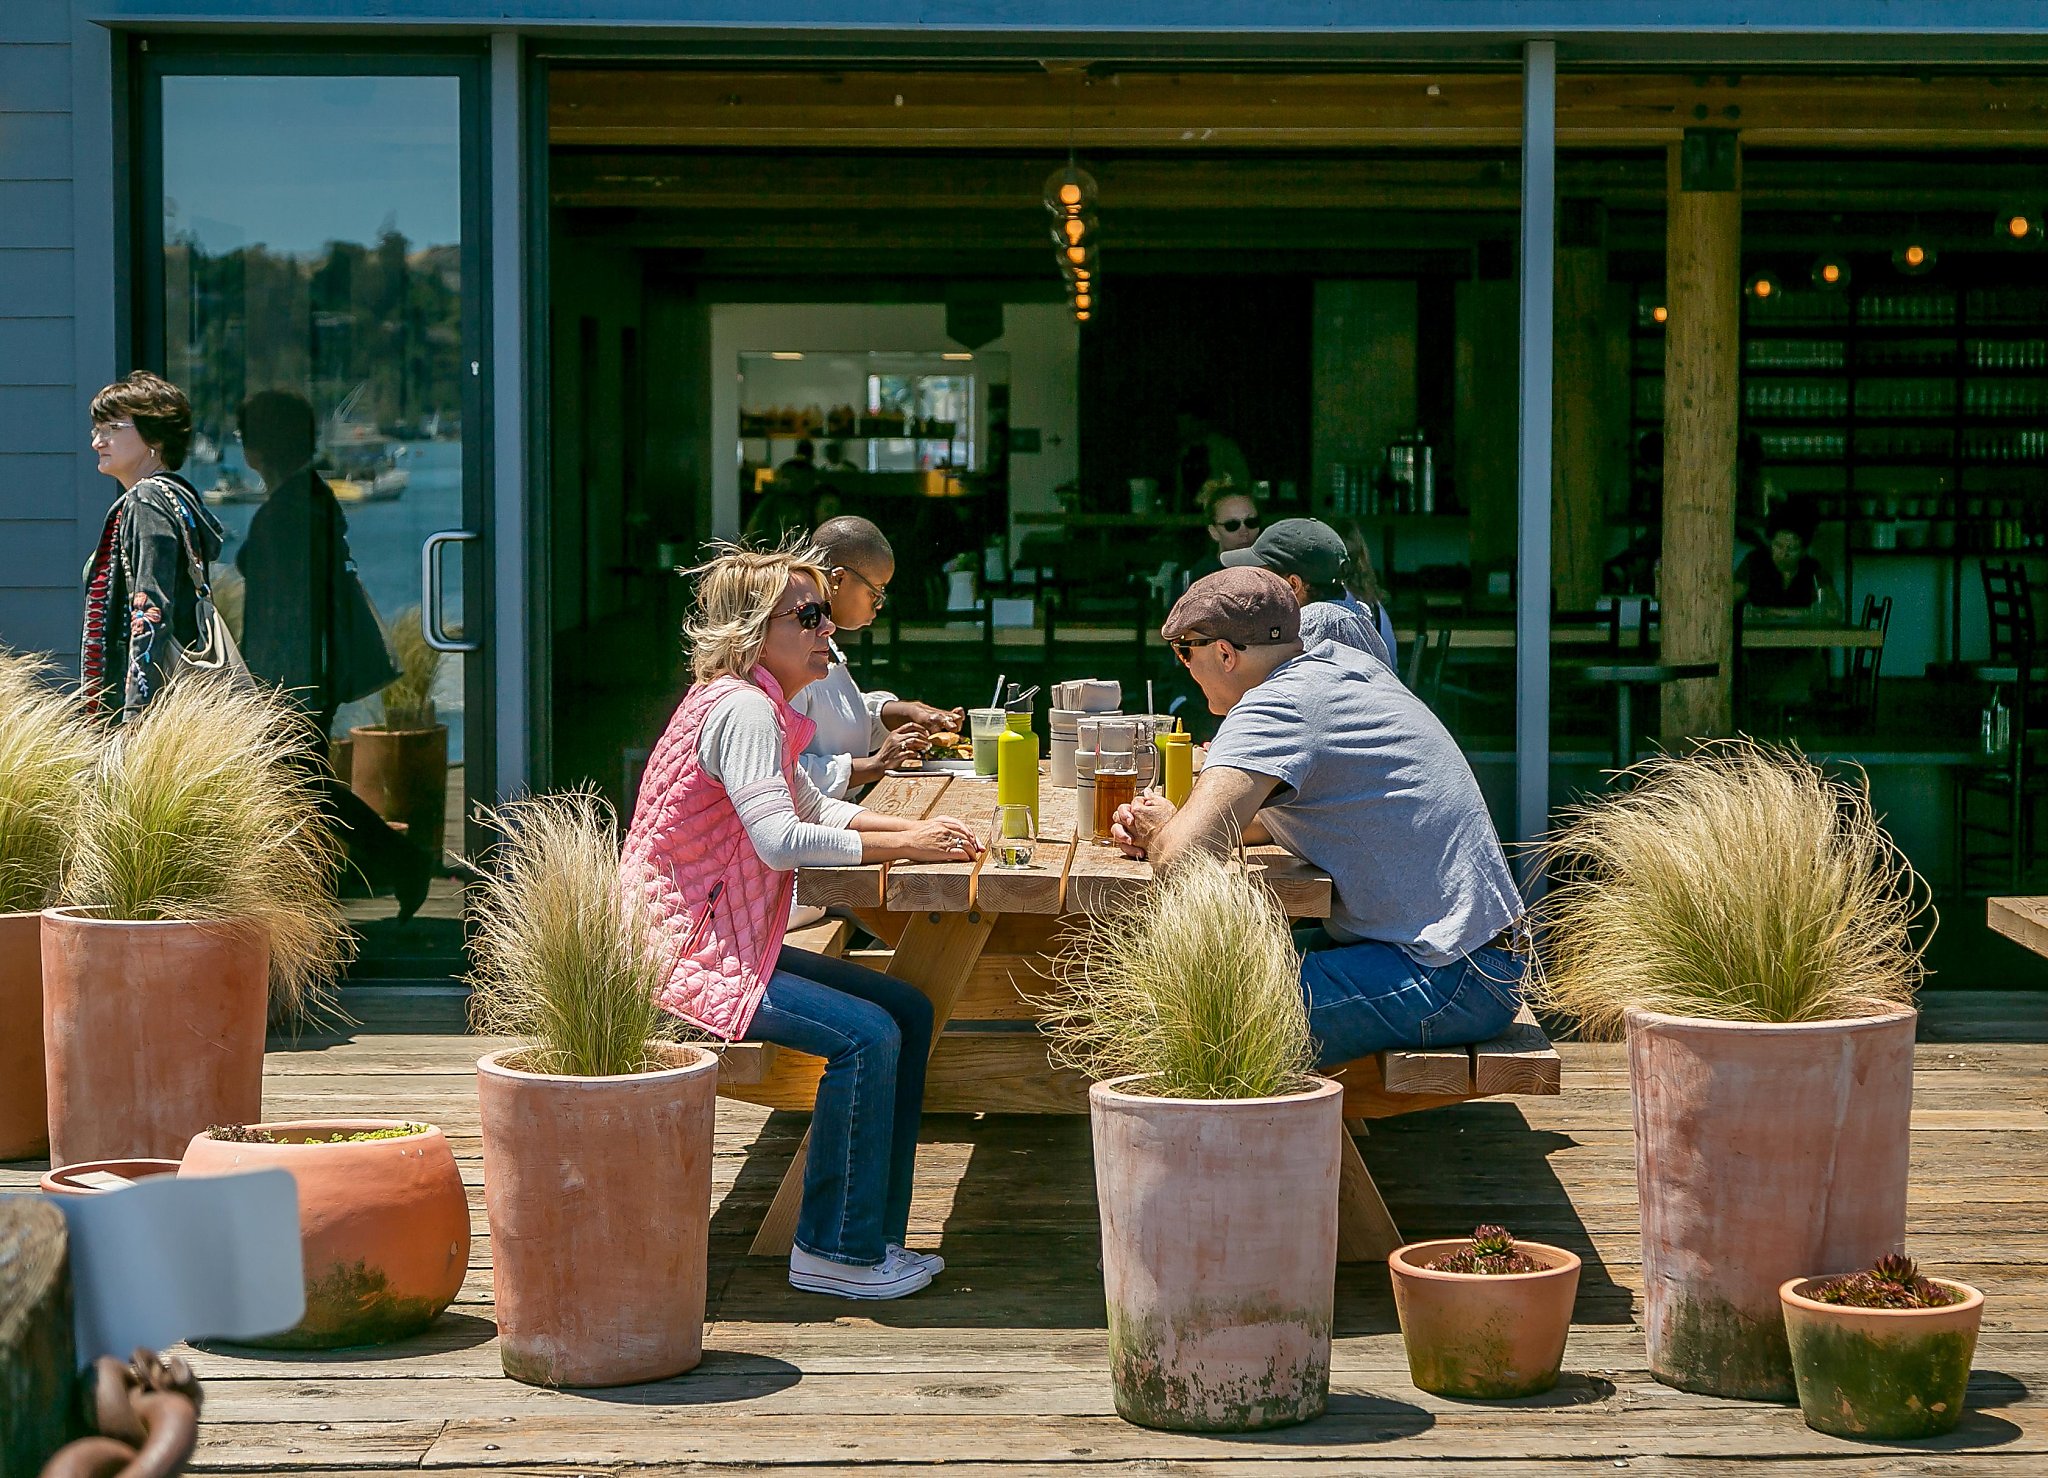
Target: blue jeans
874, 1032
1366, 998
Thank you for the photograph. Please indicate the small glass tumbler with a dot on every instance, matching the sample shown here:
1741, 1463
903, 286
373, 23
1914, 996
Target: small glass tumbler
1012, 840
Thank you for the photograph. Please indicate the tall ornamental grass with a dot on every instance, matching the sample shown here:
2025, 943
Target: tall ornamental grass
208, 809
46, 749
563, 956
409, 698
1194, 984
1739, 883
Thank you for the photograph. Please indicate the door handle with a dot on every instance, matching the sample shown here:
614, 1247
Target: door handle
432, 601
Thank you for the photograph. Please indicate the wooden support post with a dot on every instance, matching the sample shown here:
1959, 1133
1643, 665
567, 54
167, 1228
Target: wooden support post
37, 1364
1585, 410
1365, 1228
1702, 369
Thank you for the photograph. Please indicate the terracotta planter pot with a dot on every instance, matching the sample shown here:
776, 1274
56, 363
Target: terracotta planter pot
1761, 1151
341, 758
1482, 1335
384, 1224
151, 1032
24, 1109
1219, 1254
599, 1196
403, 775
78, 1180
1888, 1374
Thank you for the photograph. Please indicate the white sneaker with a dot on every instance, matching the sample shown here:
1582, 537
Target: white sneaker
895, 1276
930, 1259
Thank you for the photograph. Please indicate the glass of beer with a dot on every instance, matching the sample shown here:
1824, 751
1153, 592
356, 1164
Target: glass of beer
1116, 772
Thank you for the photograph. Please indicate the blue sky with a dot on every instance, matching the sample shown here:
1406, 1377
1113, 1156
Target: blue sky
296, 162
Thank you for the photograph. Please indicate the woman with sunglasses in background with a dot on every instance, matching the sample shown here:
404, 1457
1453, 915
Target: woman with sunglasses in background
1233, 522
725, 816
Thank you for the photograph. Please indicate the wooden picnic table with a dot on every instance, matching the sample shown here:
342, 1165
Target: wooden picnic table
980, 942
2022, 920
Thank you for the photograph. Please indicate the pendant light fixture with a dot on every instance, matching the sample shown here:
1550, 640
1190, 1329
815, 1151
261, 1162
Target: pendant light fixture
1764, 286
1915, 257
1070, 200
1830, 272
2019, 225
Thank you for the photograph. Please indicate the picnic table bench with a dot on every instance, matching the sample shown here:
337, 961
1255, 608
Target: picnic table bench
979, 941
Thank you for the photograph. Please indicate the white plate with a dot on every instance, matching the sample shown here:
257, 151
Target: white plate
940, 767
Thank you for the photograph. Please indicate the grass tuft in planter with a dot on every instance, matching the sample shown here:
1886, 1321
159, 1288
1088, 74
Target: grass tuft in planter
564, 959
45, 751
207, 810
1738, 883
408, 700
1194, 985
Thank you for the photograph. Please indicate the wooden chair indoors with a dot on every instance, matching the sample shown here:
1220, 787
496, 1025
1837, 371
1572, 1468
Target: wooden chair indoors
2003, 835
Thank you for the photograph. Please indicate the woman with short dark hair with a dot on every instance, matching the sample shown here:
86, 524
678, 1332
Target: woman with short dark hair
140, 596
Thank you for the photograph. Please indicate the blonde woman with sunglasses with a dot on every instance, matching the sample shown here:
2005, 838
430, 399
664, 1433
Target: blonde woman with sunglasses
725, 817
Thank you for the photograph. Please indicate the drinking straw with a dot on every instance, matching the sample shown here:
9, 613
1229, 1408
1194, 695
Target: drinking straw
995, 699
1148, 697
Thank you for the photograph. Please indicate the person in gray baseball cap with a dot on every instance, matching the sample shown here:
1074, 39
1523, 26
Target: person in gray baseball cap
1312, 558
1325, 752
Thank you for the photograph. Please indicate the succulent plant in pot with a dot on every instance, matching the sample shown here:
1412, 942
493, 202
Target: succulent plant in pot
198, 902
1216, 1153
400, 767
1485, 1316
1744, 919
45, 751
1884, 1353
383, 1220
597, 1129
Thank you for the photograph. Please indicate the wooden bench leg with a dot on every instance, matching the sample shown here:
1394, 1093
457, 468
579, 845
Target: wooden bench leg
1365, 1228
778, 1228
936, 953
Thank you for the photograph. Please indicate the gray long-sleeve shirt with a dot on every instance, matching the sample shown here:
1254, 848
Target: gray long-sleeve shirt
741, 747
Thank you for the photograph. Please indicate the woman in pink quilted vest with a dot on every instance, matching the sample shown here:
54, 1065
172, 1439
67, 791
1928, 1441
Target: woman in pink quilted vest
725, 817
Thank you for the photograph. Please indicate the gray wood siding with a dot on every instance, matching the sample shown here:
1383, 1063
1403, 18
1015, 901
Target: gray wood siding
42, 406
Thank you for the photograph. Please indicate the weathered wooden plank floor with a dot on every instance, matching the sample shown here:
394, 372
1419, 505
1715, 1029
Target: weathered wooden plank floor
1000, 1368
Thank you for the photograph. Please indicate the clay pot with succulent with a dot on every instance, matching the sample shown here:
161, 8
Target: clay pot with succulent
45, 752
400, 767
1485, 1316
1216, 1153
198, 902
383, 1221
1884, 1353
1743, 918
597, 1130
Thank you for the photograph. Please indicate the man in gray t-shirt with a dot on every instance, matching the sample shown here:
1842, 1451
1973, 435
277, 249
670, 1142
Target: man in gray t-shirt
1325, 752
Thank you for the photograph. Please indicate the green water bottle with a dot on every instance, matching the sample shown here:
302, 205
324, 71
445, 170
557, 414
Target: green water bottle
1017, 766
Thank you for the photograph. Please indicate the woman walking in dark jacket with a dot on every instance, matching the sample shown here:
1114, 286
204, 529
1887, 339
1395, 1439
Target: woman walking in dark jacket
139, 591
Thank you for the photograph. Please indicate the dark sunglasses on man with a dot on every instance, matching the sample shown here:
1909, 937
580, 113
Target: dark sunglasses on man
879, 592
1184, 647
1232, 525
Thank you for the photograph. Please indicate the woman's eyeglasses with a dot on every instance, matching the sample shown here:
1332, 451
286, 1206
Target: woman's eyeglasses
1232, 525
1185, 649
810, 615
108, 428
879, 592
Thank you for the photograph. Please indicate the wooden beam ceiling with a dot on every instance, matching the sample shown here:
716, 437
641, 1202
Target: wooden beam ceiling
608, 107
